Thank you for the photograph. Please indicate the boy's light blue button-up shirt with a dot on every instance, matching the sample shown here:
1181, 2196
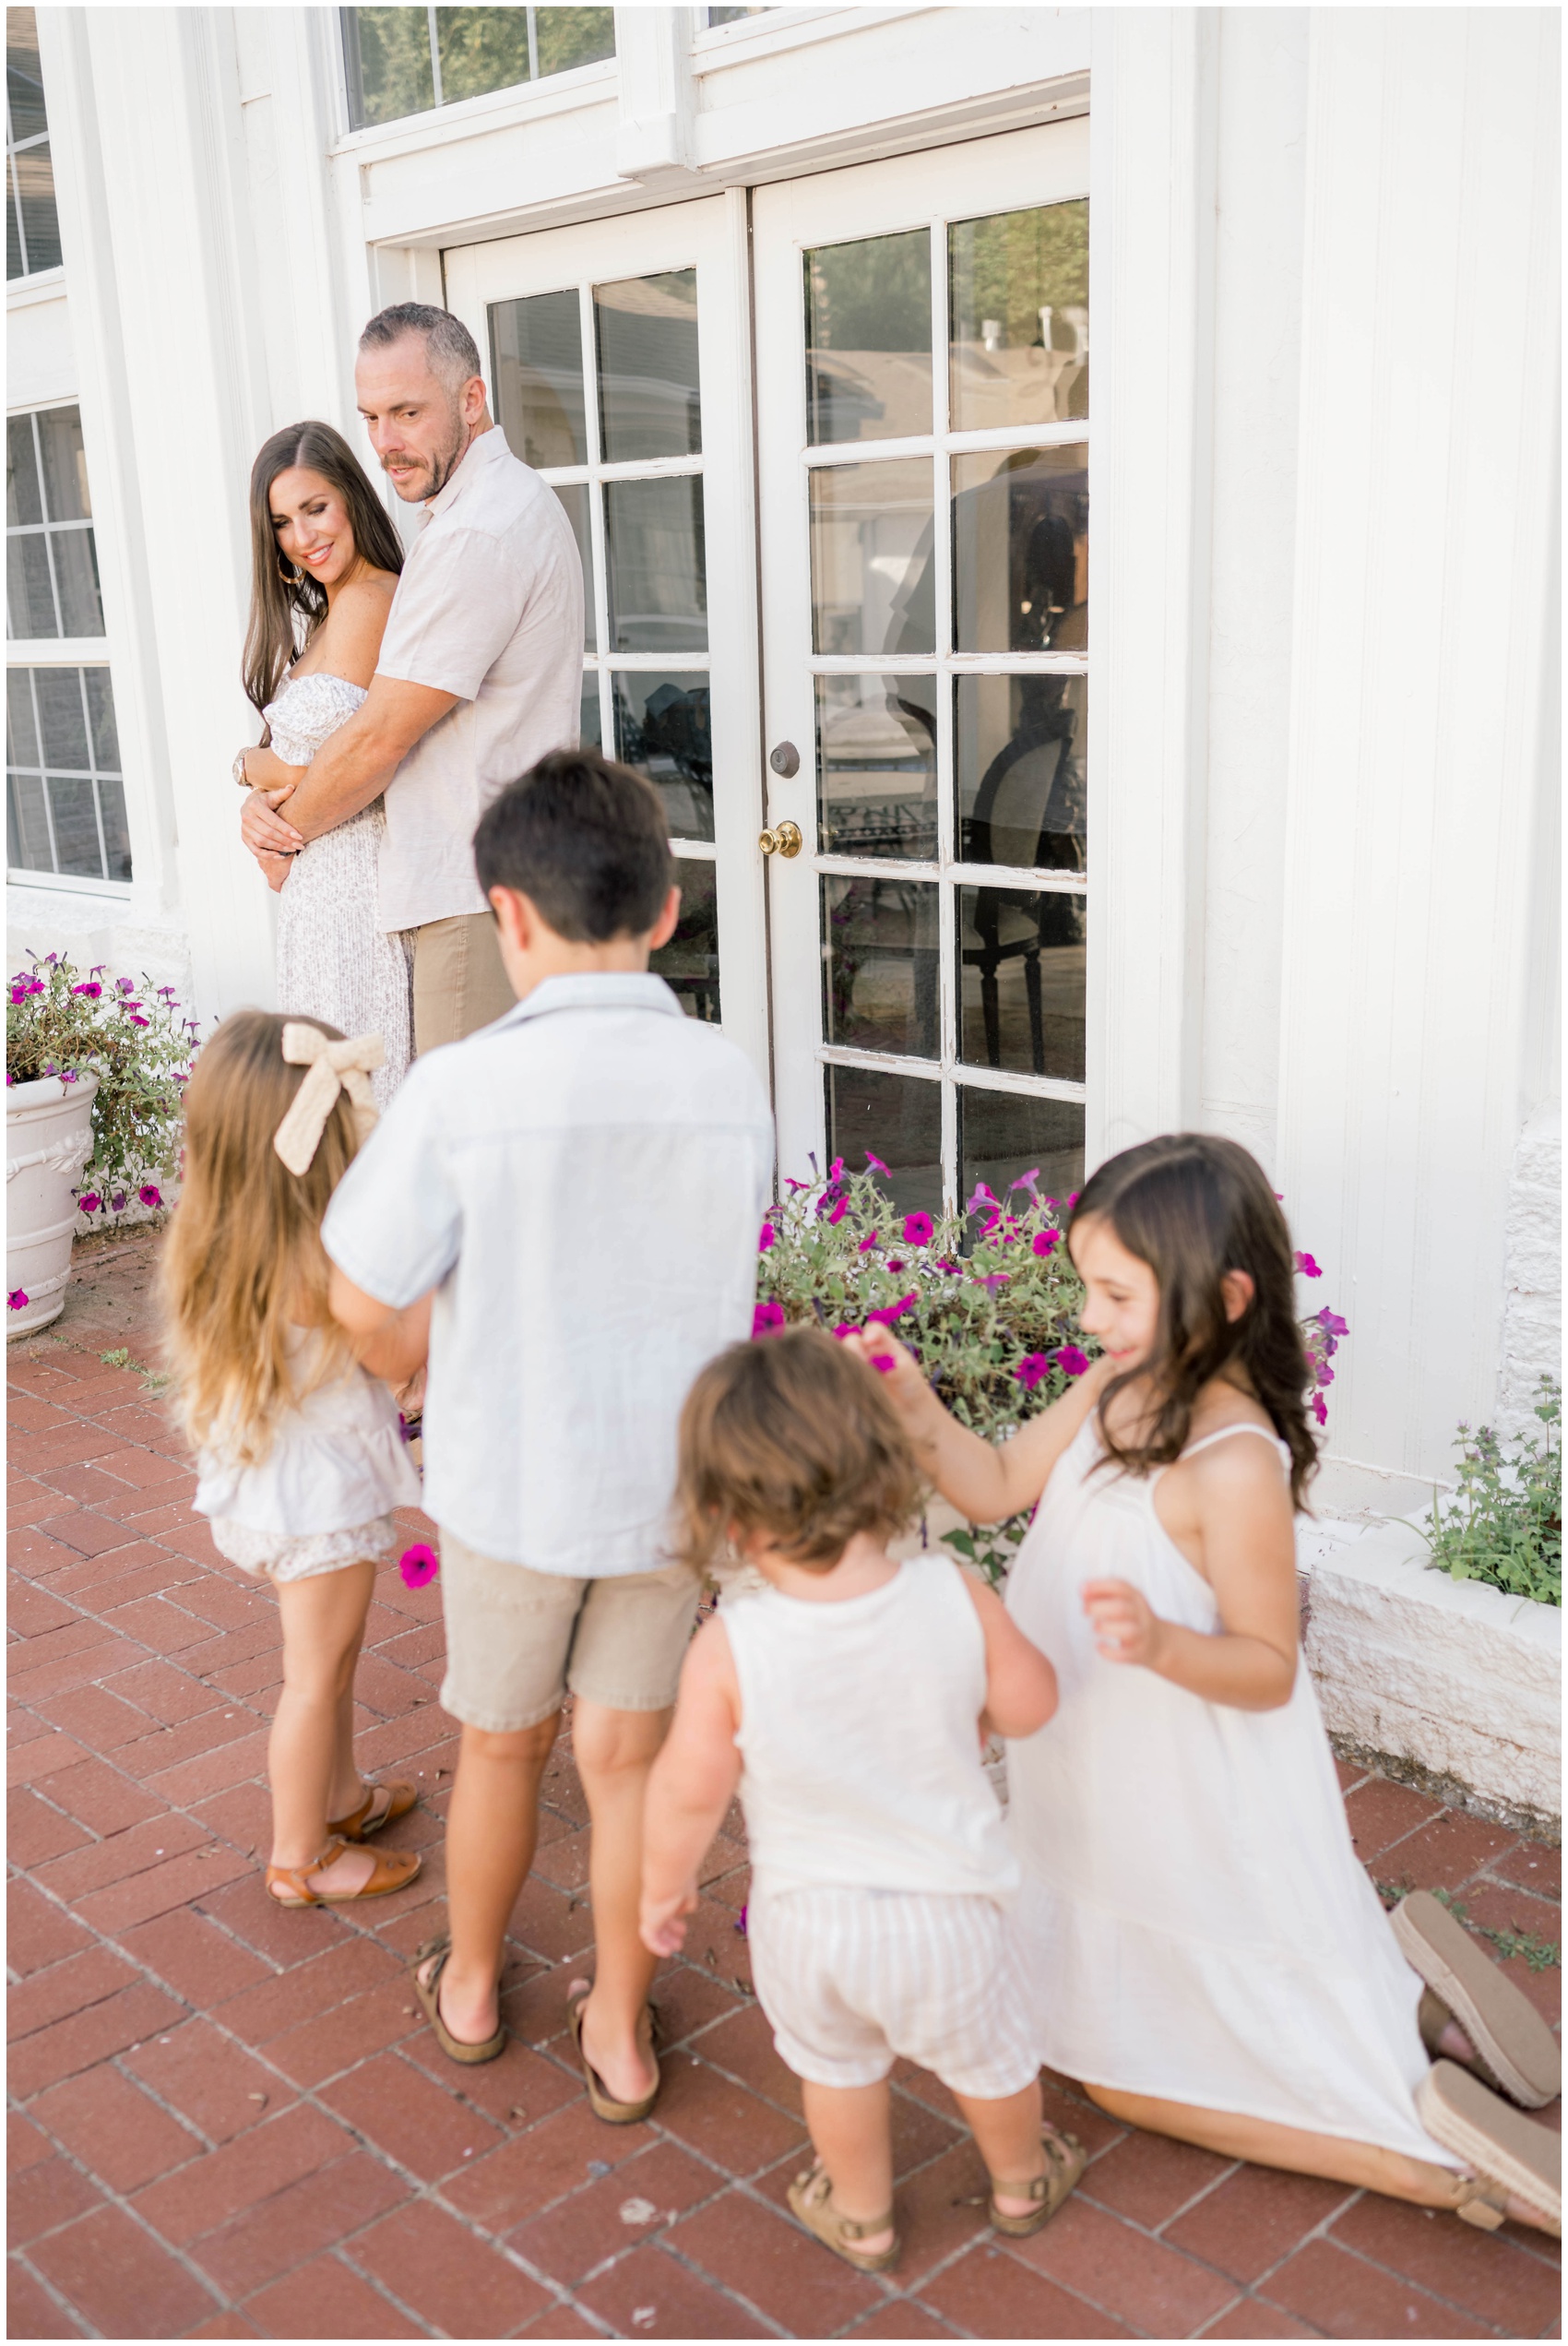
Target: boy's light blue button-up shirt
583, 1185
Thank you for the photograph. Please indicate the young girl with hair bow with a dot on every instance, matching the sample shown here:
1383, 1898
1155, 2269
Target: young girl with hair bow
299, 1455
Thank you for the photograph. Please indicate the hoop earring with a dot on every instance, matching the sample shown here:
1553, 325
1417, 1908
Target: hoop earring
290, 573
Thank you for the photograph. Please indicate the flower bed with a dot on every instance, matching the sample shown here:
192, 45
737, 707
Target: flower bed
65, 1022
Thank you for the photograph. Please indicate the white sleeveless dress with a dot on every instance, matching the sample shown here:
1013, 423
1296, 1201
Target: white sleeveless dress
334, 959
1194, 1919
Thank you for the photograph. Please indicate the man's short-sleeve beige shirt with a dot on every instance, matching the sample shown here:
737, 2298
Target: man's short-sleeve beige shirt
490, 606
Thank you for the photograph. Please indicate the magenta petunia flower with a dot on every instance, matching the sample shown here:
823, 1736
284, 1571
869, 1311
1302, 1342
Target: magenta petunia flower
1029, 1181
1332, 1325
740, 1922
875, 1164
90, 989
884, 1364
17, 1300
867, 1243
890, 1311
1305, 1265
1319, 1409
845, 1328
835, 1169
919, 1229
117, 1203
1032, 1369
67, 1075
982, 1197
766, 1317
150, 1196
766, 1238
123, 986
791, 1183
139, 1022
1045, 1242
993, 1281
839, 1210
419, 1565
895, 1266
1070, 1360
91, 1202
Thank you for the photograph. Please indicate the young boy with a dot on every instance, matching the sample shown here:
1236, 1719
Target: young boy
581, 1186
848, 1700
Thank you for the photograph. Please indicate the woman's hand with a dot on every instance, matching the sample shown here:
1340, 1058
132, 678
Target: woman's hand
661, 1924
1126, 1627
275, 870
263, 828
896, 1365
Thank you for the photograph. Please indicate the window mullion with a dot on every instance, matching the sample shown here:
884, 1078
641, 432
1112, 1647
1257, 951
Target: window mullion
432, 30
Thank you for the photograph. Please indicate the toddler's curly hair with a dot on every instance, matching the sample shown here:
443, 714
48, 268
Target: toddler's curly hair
791, 1437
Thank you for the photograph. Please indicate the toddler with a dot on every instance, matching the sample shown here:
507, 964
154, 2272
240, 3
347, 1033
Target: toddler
298, 1451
850, 1698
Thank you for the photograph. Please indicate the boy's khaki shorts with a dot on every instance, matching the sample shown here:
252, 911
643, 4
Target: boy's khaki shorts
517, 1640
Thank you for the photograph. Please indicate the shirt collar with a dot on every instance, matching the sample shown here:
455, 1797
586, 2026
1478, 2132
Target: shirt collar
596, 990
489, 448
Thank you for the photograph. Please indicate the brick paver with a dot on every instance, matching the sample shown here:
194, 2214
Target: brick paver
228, 2121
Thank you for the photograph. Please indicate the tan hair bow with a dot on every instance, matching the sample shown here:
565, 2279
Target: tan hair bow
334, 1068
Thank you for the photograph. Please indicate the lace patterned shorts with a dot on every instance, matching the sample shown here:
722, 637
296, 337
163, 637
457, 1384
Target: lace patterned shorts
281, 1556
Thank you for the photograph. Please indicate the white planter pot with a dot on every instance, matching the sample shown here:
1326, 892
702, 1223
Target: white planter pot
48, 1140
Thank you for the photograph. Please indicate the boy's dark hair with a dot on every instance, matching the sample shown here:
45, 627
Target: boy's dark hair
1193, 1207
790, 1436
586, 841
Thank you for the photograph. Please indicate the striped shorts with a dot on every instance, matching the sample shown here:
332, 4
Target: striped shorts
851, 1980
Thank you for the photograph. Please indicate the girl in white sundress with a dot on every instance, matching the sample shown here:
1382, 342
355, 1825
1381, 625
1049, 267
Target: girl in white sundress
325, 561
1209, 1958
300, 1461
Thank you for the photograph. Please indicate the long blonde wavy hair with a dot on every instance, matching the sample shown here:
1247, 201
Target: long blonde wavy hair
243, 1266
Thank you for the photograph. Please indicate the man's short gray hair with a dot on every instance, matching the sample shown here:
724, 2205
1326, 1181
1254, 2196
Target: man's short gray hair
449, 346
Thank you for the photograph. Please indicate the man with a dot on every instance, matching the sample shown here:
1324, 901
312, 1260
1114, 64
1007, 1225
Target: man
480, 672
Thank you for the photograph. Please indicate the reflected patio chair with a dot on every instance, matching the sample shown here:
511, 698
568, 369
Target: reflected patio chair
1023, 800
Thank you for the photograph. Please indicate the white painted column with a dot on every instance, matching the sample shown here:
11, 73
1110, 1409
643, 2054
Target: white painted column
1151, 254
1421, 656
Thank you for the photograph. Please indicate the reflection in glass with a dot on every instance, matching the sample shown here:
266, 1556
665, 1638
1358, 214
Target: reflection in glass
568, 37
1021, 953
896, 1118
1019, 761
116, 830
24, 82
76, 828
30, 592
1021, 551
21, 733
65, 464
590, 733
1018, 317
76, 574
481, 49
386, 64
1005, 1134
39, 220
24, 501
573, 495
62, 716
65, 812
876, 765
648, 400
873, 589
101, 709
689, 964
27, 825
653, 535
868, 338
535, 365
879, 964
662, 728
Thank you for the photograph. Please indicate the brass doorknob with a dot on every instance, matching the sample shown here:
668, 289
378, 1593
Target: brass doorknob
784, 838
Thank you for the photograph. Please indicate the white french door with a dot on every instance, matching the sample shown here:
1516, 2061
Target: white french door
618, 356
923, 404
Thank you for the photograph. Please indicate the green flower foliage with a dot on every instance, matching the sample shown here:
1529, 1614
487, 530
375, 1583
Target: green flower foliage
1504, 1523
63, 1021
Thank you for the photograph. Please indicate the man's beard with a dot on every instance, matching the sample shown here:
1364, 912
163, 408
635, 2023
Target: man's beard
446, 460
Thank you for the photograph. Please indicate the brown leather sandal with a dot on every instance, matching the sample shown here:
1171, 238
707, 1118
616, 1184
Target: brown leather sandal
429, 1993
364, 1820
393, 1869
1066, 2159
811, 2202
600, 2100
1514, 2050
1509, 2154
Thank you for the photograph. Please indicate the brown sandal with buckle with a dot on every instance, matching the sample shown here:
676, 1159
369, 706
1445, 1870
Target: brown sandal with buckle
1066, 2159
1509, 2154
600, 2100
810, 2201
1514, 2050
363, 1820
429, 1993
393, 1869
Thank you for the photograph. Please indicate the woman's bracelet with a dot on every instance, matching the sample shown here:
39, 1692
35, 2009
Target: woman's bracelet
238, 769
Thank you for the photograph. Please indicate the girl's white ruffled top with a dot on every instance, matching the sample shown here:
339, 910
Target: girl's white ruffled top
337, 1462
1196, 1922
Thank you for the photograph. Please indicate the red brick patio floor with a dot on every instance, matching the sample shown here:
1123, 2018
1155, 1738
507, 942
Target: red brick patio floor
228, 2121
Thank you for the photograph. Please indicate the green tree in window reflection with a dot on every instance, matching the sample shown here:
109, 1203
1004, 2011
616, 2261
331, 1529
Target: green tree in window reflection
1006, 267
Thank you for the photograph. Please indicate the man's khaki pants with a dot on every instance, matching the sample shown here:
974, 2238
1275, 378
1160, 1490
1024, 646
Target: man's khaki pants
459, 982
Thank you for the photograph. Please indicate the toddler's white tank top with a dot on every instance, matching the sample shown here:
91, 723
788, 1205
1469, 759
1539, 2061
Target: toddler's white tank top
859, 1739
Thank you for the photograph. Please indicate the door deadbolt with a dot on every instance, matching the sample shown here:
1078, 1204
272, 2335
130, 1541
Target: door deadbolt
786, 760
783, 838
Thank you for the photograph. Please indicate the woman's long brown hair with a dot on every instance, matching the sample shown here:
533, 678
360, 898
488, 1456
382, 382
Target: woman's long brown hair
1193, 1207
243, 1264
286, 611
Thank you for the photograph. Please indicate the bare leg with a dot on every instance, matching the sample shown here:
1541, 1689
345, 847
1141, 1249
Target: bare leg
348, 1787
491, 1833
323, 1622
614, 1751
1006, 2134
851, 2134
1362, 2165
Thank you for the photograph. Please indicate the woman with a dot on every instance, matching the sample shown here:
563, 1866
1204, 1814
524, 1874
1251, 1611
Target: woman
325, 566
